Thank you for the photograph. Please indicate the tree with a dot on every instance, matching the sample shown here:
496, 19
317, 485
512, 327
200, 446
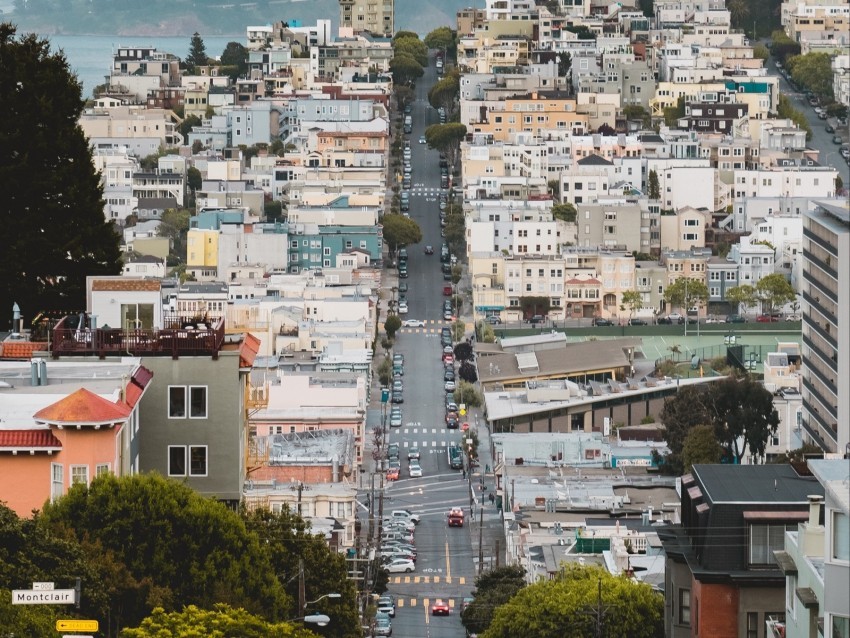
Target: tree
652, 186
761, 52
174, 225
172, 547
405, 69
700, 446
606, 129
391, 325
565, 64
463, 351
785, 109
222, 620
413, 47
685, 293
813, 71
467, 372
467, 394
565, 212
55, 233
197, 53
457, 273
493, 588
743, 416
574, 599
455, 232
404, 95
194, 179
440, 38
681, 412
446, 138
532, 305
782, 47
457, 303
444, 93
743, 295
774, 291
235, 56
185, 127
632, 300
400, 231
672, 114
458, 330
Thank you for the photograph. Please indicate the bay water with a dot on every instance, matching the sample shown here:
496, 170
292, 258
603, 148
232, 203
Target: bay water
90, 56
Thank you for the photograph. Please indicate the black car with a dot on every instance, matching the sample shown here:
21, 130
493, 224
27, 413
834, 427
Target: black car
829, 129
493, 320
637, 322
599, 321
537, 319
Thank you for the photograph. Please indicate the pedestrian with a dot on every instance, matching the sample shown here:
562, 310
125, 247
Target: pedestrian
492, 498
464, 473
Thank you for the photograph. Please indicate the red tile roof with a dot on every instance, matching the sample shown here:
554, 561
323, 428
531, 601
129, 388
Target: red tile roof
28, 439
136, 386
575, 281
248, 350
85, 407
20, 349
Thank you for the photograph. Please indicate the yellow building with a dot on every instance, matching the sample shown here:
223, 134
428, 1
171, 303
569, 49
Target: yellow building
202, 252
535, 113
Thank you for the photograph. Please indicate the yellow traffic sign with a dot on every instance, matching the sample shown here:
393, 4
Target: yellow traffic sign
463, 412
76, 625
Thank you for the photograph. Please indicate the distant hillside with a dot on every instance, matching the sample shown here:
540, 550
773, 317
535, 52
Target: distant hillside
207, 17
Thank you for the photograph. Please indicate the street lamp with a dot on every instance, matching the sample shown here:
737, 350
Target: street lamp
313, 619
333, 595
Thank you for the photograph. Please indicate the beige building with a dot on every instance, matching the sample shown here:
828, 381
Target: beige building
692, 264
684, 229
132, 122
469, 20
609, 223
533, 113
375, 16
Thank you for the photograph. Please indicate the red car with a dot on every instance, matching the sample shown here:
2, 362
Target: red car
767, 318
392, 474
440, 608
448, 358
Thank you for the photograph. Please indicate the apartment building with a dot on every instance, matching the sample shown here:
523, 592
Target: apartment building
373, 16
684, 229
515, 227
610, 222
826, 324
536, 113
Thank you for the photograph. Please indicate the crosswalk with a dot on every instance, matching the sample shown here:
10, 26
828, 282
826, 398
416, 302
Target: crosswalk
430, 331
414, 602
428, 580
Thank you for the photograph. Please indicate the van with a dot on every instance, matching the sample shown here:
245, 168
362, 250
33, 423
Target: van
405, 515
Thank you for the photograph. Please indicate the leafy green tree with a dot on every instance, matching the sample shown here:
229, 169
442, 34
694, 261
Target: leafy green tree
173, 547
413, 47
761, 52
404, 95
632, 300
685, 293
565, 64
799, 454
467, 373
463, 351
785, 109
440, 38
222, 620
385, 368
401, 35
774, 291
235, 56
458, 330
391, 325
457, 303
457, 273
782, 47
273, 210
743, 295
565, 212
446, 138
288, 540
405, 69
672, 114
400, 231
444, 93
455, 232
681, 412
571, 599
55, 233
194, 179
701, 446
652, 186
743, 416
493, 588
534, 305
197, 53
185, 127
174, 225
813, 71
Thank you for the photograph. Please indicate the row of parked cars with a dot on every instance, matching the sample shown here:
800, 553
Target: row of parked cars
398, 555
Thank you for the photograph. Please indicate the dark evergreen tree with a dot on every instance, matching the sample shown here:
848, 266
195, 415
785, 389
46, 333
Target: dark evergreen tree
52, 229
197, 52
235, 56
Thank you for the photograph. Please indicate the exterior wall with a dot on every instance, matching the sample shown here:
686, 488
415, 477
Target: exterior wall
222, 432
714, 610
677, 577
292, 473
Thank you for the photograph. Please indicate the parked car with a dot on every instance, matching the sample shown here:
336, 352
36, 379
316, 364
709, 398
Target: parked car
493, 320
449, 385
467, 601
401, 565
767, 319
398, 359
396, 419
397, 397
447, 291
403, 308
735, 319
392, 451
599, 321
830, 129
837, 140
636, 321
383, 627
392, 474
405, 514
536, 319
386, 605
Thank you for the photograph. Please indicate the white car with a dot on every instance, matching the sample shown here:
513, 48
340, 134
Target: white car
402, 308
422, 139
401, 565
415, 470
413, 323
406, 514
449, 386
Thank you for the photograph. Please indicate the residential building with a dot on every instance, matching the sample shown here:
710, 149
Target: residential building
826, 324
144, 266
536, 112
136, 127
64, 422
841, 78
684, 229
376, 18
201, 301
136, 71
816, 562
722, 578
125, 303
722, 275
692, 264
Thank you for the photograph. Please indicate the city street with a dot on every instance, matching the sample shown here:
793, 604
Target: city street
445, 566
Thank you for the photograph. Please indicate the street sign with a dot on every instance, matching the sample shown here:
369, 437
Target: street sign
77, 625
50, 597
43, 586
462, 412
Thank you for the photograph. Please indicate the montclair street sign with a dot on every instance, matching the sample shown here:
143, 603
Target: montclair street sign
44, 594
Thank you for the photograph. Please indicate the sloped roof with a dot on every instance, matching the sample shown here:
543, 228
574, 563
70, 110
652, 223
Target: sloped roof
594, 160
248, 350
83, 407
28, 439
126, 285
136, 387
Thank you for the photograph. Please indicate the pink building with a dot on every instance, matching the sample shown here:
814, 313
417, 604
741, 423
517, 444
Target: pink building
59, 432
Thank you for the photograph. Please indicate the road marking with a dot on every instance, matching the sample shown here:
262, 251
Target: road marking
425, 602
427, 580
448, 564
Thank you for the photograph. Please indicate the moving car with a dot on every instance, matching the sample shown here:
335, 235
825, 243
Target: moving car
413, 452
456, 517
413, 323
440, 608
422, 139
386, 605
415, 470
400, 565
429, 250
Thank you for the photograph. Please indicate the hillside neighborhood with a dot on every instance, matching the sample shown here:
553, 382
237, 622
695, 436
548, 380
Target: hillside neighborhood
607, 250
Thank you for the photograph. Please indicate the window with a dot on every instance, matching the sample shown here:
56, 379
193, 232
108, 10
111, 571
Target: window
56, 477
840, 534
840, 626
752, 624
79, 474
198, 402
101, 469
684, 606
137, 316
764, 539
176, 402
197, 460
791, 595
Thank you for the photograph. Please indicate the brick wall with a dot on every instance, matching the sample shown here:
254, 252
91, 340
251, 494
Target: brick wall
291, 473
714, 610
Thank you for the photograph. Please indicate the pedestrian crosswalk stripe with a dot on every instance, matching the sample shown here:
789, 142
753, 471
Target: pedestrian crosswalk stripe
427, 580
413, 601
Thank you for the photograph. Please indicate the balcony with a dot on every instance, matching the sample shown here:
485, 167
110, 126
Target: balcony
179, 338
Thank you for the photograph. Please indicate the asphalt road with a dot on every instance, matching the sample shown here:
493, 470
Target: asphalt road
445, 567
821, 140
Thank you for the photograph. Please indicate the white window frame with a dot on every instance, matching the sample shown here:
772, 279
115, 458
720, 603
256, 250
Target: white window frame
189, 469
206, 401
74, 469
102, 468
168, 402
57, 481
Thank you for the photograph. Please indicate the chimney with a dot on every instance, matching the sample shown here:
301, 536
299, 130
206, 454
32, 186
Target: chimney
815, 503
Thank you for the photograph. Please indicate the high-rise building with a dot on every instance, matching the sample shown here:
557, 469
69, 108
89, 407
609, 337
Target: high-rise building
826, 326
375, 16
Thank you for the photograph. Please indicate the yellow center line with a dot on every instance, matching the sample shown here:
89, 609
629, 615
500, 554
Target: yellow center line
448, 562
425, 602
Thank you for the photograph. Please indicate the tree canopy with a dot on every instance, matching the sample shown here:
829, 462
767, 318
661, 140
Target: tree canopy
52, 210
400, 231
565, 212
493, 588
700, 446
743, 295
412, 46
444, 93
685, 293
446, 138
774, 291
440, 38
197, 52
405, 68
222, 620
571, 599
812, 71
235, 56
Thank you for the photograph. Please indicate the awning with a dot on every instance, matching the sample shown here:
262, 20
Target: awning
785, 562
485, 308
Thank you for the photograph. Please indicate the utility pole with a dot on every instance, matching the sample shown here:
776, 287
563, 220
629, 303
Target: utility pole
302, 595
599, 610
372, 511
498, 550
481, 540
